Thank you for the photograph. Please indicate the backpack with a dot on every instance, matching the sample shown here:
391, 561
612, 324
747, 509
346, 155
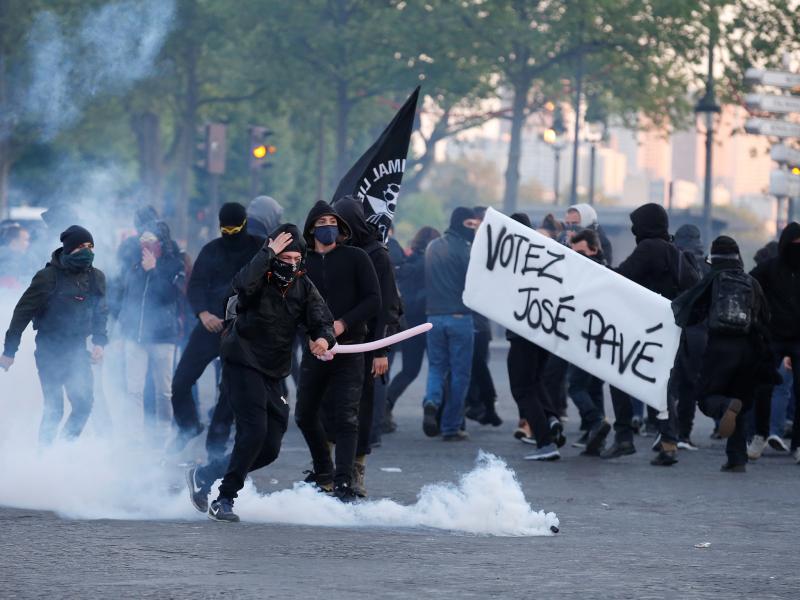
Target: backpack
732, 303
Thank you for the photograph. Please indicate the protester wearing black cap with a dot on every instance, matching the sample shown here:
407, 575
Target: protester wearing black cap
451, 340
208, 289
736, 358
274, 298
66, 302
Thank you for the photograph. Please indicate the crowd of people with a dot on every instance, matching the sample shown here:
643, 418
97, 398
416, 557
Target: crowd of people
265, 291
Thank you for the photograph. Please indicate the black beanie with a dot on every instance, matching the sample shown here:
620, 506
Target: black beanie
522, 218
74, 236
232, 214
298, 244
724, 247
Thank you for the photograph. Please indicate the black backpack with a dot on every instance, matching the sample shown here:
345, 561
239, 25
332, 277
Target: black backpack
732, 303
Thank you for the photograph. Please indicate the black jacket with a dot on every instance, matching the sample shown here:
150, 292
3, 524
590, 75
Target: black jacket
344, 277
780, 280
446, 262
268, 317
217, 264
64, 305
410, 281
150, 300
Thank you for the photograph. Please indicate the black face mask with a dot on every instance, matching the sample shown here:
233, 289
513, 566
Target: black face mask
78, 261
793, 255
284, 273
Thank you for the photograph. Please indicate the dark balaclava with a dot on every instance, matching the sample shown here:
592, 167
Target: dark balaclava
73, 237
461, 214
232, 222
284, 273
724, 249
789, 247
650, 221
522, 218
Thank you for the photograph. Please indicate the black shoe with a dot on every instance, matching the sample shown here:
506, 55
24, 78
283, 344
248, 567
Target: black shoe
731, 468
618, 449
557, 431
345, 493
581, 441
389, 425
322, 481
221, 509
685, 443
474, 414
664, 458
596, 438
183, 438
490, 418
430, 424
649, 429
198, 494
656, 446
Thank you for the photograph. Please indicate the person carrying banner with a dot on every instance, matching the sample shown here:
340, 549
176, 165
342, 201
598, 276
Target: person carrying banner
274, 297
737, 355
659, 266
66, 301
209, 287
450, 342
346, 279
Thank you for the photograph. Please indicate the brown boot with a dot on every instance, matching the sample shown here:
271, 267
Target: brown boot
727, 424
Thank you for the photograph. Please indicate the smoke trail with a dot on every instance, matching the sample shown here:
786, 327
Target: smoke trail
112, 48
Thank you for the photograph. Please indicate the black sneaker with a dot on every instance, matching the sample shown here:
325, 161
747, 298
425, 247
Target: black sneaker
474, 413
221, 509
198, 494
685, 443
183, 438
618, 449
656, 446
430, 424
322, 481
731, 468
557, 431
581, 441
345, 493
490, 418
389, 424
596, 438
665, 458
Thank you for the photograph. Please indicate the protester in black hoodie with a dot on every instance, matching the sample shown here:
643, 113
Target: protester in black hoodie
659, 266
274, 297
209, 287
66, 302
780, 279
386, 322
346, 279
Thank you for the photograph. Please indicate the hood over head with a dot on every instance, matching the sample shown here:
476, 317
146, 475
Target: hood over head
266, 211
352, 211
689, 239
763, 254
298, 244
650, 221
588, 214
457, 218
788, 251
320, 209
522, 218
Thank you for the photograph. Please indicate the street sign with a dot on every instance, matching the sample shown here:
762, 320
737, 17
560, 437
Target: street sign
781, 79
784, 184
781, 129
772, 103
784, 155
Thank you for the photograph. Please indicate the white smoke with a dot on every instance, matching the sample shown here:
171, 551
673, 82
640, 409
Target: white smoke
111, 48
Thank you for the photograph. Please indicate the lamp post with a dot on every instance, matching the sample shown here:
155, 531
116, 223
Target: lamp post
708, 108
552, 138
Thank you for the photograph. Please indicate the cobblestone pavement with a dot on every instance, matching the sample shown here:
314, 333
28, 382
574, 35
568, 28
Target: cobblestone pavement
628, 530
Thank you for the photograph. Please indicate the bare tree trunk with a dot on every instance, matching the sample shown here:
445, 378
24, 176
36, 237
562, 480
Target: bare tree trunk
518, 115
321, 158
145, 127
186, 146
343, 106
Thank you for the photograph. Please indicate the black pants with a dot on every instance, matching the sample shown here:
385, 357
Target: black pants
526, 363
64, 366
413, 350
763, 405
379, 401
687, 365
555, 376
586, 392
366, 407
261, 414
219, 430
623, 416
481, 394
202, 348
729, 371
343, 379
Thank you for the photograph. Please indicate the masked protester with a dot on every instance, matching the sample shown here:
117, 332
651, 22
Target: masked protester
780, 279
264, 214
450, 342
152, 291
734, 307
208, 290
584, 216
274, 298
657, 264
66, 302
346, 279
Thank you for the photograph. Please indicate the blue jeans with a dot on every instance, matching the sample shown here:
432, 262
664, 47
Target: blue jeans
450, 344
781, 399
586, 392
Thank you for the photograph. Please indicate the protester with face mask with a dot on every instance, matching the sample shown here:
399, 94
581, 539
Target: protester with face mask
346, 279
151, 291
450, 342
780, 279
734, 307
66, 302
584, 216
274, 298
208, 290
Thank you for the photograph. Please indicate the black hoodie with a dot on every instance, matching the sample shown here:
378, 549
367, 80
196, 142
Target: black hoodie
780, 279
344, 277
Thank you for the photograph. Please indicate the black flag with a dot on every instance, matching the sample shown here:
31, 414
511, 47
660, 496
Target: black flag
376, 177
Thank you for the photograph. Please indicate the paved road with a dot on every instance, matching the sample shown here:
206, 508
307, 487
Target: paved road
628, 530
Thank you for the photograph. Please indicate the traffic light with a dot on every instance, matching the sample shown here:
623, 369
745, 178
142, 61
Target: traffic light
210, 148
260, 147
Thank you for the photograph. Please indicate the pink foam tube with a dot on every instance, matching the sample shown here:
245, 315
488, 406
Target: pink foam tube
377, 344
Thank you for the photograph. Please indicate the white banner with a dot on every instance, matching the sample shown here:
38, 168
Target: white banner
575, 308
